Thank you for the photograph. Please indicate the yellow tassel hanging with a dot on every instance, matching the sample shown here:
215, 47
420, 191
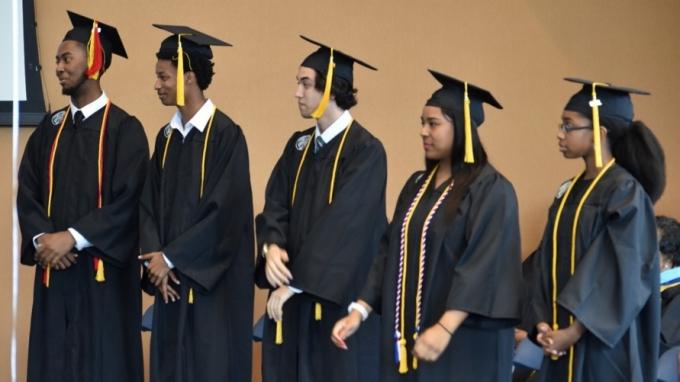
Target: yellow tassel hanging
595, 105
180, 72
317, 311
191, 295
403, 361
100, 271
469, 155
279, 333
316, 114
414, 363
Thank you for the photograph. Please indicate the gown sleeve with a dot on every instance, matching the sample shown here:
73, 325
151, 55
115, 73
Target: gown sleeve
487, 277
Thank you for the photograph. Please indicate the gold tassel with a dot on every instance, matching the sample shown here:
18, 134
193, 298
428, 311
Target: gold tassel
100, 271
180, 72
317, 311
414, 363
191, 295
595, 105
279, 333
469, 155
316, 114
403, 361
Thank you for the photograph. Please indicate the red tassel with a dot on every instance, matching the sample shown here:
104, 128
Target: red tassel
95, 54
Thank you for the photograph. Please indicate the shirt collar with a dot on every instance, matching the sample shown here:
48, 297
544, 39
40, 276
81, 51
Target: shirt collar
199, 120
669, 275
91, 107
335, 128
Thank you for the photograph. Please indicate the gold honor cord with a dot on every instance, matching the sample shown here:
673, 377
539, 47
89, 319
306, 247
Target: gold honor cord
203, 157
574, 232
317, 306
401, 288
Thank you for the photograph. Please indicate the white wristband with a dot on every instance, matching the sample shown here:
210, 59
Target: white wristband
359, 308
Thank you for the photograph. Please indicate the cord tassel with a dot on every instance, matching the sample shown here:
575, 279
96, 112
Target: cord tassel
46, 276
100, 270
191, 295
317, 311
279, 333
403, 361
414, 362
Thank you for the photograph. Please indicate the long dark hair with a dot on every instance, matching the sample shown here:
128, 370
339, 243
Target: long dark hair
463, 173
637, 150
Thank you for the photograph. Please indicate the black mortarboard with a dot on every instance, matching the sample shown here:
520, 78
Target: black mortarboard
452, 95
108, 37
598, 100
461, 97
188, 43
342, 68
343, 61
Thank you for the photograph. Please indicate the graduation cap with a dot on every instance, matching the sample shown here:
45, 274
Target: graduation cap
188, 43
332, 63
101, 41
602, 100
460, 96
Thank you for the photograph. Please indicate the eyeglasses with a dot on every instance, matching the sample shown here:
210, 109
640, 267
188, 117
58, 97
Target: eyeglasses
568, 127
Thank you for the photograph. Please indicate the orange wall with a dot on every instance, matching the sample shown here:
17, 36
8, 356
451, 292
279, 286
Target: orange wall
518, 49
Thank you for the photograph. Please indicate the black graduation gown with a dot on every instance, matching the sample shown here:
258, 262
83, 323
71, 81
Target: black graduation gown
81, 329
210, 241
670, 318
614, 291
331, 248
472, 265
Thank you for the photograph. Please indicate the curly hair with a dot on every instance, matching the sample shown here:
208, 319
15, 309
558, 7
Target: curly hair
669, 242
341, 89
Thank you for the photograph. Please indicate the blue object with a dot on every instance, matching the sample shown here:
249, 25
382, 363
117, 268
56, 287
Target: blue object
668, 365
147, 319
528, 355
258, 329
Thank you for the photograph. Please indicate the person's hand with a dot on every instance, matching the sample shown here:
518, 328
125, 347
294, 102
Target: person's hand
561, 340
431, 343
157, 267
276, 301
66, 261
275, 266
167, 291
53, 246
542, 338
344, 328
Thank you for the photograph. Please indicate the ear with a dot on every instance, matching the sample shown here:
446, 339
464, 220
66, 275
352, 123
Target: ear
189, 78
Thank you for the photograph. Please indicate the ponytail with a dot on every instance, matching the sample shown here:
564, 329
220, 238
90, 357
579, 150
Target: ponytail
637, 150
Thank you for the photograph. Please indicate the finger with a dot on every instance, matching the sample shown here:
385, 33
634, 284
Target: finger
284, 256
164, 292
277, 310
147, 256
58, 266
283, 270
270, 278
173, 293
269, 308
173, 277
275, 272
